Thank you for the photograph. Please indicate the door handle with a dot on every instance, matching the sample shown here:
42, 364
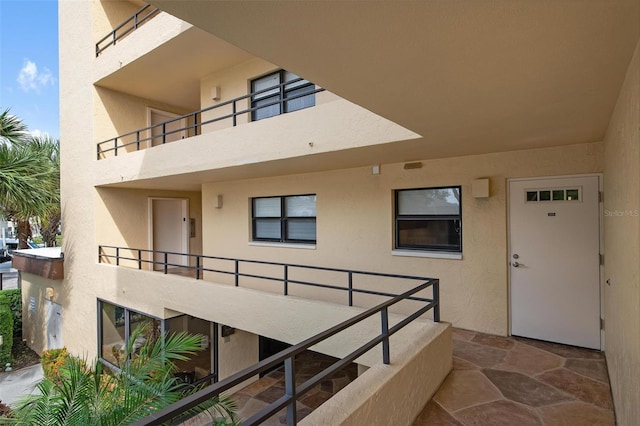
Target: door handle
515, 264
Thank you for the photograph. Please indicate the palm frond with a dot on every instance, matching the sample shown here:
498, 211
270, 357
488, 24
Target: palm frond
12, 129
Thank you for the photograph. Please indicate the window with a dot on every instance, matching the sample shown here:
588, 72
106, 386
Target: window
290, 219
115, 325
278, 97
429, 219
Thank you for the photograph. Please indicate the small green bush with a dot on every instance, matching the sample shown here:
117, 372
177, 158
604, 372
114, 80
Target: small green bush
6, 331
52, 360
14, 298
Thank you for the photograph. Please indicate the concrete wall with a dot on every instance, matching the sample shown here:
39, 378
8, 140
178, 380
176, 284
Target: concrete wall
622, 247
355, 224
392, 394
123, 216
118, 114
34, 323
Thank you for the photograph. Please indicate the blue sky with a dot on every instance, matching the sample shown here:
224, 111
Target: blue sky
29, 63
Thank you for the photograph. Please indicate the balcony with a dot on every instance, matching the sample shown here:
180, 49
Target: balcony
230, 113
391, 345
125, 28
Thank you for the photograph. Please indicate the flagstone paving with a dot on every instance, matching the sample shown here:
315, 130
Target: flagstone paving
515, 381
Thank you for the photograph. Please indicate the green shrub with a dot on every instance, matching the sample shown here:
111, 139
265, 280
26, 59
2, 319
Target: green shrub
14, 297
6, 331
52, 360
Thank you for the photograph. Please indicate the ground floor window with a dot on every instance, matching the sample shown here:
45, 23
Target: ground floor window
115, 325
429, 219
285, 219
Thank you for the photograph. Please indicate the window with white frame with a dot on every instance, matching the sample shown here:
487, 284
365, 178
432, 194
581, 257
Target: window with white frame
429, 219
284, 219
272, 96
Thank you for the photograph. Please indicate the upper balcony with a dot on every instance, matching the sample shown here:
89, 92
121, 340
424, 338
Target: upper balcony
140, 17
246, 129
290, 93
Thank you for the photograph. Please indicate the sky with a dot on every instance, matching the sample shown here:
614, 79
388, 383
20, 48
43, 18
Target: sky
29, 63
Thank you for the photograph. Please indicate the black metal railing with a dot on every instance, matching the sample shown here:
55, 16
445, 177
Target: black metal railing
292, 390
140, 17
192, 122
138, 257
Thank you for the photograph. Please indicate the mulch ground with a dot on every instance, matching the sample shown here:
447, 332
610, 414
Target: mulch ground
23, 356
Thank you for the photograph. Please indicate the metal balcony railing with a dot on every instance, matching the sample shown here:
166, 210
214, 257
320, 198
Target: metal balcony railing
142, 138
137, 19
292, 390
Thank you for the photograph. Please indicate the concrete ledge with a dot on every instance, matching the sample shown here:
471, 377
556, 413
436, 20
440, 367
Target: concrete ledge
392, 394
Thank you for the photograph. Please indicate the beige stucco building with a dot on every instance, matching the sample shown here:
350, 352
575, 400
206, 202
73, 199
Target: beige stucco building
463, 141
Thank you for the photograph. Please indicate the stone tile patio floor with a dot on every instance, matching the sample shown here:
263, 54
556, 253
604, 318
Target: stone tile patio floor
495, 381
514, 381
269, 388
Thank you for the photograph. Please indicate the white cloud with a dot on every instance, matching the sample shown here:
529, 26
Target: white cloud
29, 78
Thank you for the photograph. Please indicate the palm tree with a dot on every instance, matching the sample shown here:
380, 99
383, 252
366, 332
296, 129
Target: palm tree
29, 174
92, 396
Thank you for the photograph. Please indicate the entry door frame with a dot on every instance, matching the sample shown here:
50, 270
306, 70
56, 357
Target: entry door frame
184, 238
169, 115
600, 233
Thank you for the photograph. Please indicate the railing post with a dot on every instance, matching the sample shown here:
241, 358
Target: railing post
384, 314
237, 272
164, 133
286, 280
166, 260
117, 256
139, 259
216, 351
137, 140
98, 152
233, 111
436, 299
350, 288
290, 390
197, 267
195, 124
115, 146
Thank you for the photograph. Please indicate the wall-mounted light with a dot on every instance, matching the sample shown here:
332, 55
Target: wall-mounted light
480, 188
215, 93
227, 331
49, 293
375, 170
217, 202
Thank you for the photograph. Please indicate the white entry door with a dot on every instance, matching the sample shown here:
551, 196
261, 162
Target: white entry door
53, 312
170, 132
169, 231
554, 260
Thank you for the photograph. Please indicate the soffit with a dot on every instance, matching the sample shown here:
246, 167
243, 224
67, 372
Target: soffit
171, 72
469, 76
